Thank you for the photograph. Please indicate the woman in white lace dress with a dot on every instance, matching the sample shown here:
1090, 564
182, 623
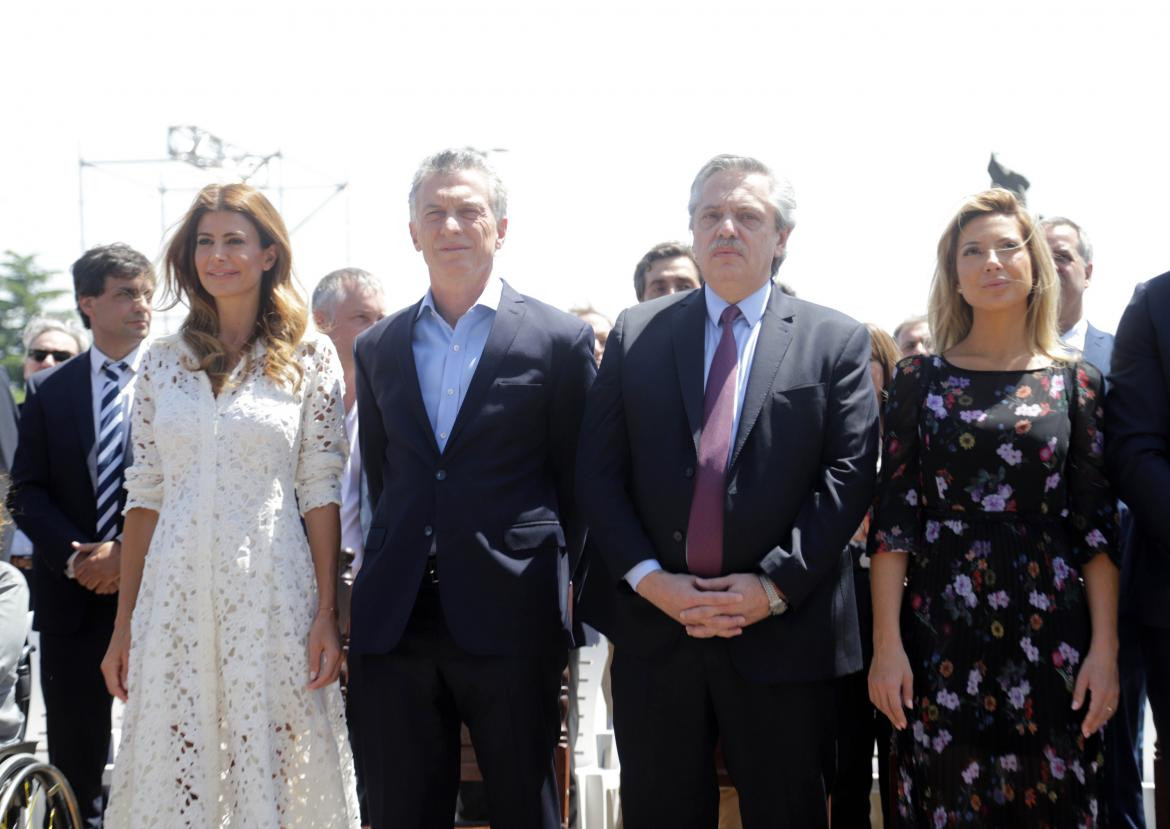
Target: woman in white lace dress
226, 642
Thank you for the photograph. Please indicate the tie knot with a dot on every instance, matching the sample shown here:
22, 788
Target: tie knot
730, 314
114, 368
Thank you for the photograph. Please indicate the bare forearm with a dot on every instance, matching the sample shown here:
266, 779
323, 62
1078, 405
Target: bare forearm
323, 526
137, 532
1101, 588
887, 573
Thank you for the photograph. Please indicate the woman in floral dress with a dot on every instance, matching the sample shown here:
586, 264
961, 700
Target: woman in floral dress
996, 663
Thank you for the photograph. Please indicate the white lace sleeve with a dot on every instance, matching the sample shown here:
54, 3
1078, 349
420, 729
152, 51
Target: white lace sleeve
323, 446
144, 479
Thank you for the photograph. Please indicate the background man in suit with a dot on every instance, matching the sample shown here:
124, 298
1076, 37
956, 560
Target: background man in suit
1137, 443
469, 402
67, 497
913, 336
727, 454
667, 268
1073, 254
345, 303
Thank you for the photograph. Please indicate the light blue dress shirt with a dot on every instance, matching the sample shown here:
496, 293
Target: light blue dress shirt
747, 333
446, 357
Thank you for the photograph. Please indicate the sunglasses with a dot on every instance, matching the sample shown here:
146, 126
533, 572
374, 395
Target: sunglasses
42, 354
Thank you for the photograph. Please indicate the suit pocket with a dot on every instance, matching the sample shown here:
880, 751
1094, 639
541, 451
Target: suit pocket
534, 535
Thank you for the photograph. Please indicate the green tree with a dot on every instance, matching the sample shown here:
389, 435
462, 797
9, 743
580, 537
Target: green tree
23, 295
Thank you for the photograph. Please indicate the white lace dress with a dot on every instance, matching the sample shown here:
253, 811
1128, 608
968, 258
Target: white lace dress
219, 730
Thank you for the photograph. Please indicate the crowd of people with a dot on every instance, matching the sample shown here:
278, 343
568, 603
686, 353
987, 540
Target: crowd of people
805, 539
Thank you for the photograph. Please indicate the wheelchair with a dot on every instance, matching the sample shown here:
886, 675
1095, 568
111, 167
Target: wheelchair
34, 793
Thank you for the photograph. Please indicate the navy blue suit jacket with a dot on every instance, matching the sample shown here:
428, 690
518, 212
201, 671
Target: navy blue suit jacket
497, 502
1137, 440
800, 480
52, 498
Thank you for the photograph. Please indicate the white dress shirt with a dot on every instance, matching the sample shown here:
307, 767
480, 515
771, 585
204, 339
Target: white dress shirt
351, 492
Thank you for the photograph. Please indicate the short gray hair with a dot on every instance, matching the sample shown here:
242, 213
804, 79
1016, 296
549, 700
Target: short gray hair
780, 193
332, 287
1084, 246
39, 325
454, 160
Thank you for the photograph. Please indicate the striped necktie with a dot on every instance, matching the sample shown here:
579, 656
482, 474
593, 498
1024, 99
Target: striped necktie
111, 441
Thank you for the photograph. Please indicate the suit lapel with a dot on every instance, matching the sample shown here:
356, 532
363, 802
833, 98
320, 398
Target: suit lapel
689, 332
83, 408
771, 346
401, 342
504, 329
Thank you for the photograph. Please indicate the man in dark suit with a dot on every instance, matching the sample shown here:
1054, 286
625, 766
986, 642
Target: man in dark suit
67, 497
727, 454
469, 403
1137, 443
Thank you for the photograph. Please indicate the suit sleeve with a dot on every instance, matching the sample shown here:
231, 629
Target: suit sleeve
603, 468
29, 501
1137, 421
573, 379
371, 433
838, 502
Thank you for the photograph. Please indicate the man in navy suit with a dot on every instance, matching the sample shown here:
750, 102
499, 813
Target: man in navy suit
727, 454
67, 497
1137, 444
469, 402
1072, 252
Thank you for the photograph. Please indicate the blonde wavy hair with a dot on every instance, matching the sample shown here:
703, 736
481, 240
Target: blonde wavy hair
951, 316
283, 315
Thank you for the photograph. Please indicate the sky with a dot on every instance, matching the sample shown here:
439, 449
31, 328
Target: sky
883, 115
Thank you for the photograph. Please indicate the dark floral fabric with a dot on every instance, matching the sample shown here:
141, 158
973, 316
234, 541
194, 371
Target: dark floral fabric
994, 483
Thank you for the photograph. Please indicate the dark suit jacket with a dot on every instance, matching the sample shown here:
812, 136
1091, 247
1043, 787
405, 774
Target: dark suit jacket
1137, 440
52, 498
498, 500
8, 426
800, 479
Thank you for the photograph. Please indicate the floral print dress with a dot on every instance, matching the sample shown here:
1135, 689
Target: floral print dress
993, 482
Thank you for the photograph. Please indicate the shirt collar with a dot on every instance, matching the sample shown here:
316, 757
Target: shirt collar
493, 292
1075, 336
752, 306
97, 359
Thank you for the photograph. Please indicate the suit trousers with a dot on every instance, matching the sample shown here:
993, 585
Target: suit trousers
77, 713
412, 702
669, 711
1123, 735
1156, 655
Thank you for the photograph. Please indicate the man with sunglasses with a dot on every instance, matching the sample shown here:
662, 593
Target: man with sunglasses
49, 342
67, 496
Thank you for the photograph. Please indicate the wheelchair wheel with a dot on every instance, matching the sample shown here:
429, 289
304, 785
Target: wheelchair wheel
35, 794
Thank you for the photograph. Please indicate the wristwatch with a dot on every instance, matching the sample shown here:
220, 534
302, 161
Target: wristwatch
777, 604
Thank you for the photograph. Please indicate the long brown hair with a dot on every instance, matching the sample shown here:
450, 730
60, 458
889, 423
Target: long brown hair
951, 316
283, 315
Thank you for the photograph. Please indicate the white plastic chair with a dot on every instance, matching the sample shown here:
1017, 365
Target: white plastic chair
595, 753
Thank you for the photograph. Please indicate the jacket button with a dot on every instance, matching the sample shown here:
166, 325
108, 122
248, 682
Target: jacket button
677, 535
689, 472
441, 475
427, 531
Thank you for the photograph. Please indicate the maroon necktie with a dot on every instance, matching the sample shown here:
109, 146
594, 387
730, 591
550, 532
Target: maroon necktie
705, 527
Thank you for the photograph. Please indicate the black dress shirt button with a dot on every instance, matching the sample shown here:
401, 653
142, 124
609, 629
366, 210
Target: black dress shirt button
677, 535
441, 475
427, 531
689, 472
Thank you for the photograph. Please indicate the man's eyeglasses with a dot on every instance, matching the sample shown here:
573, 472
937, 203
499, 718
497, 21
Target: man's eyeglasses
42, 354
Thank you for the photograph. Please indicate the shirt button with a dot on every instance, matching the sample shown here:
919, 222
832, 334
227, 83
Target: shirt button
677, 535
689, 472
427, 531
450, 392
442, 435
441, 475
455, 348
